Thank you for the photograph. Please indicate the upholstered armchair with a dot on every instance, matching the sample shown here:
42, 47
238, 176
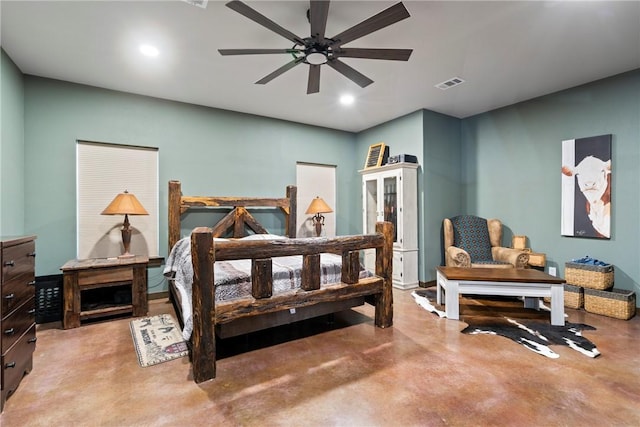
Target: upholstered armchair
471, 241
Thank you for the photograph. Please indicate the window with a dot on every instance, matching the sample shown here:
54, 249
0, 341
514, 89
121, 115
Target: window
103, 171
313, 180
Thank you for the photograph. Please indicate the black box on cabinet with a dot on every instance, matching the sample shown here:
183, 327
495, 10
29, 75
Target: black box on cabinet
49, 298
403, 158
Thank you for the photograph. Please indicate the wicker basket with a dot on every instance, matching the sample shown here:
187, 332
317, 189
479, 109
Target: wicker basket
589, 276
617, 303
573, 296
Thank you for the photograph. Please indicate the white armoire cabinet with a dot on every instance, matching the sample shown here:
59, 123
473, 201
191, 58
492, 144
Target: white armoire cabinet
390, 193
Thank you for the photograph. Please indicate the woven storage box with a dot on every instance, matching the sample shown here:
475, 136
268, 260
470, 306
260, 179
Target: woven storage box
589, 276
573, 296
617, 303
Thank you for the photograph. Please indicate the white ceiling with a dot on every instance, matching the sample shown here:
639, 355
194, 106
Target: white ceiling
506, 51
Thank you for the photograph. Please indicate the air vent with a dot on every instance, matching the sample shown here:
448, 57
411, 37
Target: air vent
199, 3
455, 81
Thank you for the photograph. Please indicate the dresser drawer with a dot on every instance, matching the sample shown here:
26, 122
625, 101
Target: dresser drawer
18, 360
18, 259
15, 292
17, 324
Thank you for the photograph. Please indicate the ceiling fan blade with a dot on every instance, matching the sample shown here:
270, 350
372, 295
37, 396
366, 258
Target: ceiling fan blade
388, 54
314, 79
256, 16
383, 19
256, 51
350, 73
281, 70
318, 17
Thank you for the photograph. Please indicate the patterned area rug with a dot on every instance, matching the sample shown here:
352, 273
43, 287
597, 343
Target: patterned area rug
529, 328
157, 339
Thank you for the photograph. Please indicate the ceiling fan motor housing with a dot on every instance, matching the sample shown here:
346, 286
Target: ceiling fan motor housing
316, 52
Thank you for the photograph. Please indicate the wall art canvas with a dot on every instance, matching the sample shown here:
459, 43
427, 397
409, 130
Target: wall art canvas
586, 187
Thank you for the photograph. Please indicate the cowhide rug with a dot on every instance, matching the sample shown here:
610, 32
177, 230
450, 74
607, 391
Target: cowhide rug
494, 317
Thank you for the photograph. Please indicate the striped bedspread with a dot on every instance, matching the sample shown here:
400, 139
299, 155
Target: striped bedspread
233, 278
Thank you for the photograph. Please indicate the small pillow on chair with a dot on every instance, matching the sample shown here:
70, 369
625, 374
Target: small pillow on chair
472, 234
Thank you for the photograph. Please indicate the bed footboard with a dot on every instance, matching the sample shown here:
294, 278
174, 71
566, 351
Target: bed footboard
206, 313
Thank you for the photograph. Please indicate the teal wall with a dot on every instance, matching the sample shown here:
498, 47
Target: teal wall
213, 152
512, 167
504, 163
442, 196
11, 148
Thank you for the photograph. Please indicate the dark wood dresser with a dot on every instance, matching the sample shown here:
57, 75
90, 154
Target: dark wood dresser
17, 311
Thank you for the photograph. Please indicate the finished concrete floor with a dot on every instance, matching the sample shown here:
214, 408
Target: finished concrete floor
420, 372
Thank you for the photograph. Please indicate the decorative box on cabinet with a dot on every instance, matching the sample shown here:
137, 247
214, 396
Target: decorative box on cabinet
390, 193
17, 311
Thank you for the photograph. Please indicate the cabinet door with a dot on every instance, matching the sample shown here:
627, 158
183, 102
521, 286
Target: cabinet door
370, 204
390, 198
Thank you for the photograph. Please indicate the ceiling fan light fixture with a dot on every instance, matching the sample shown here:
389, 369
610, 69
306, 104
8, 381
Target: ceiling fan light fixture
316, 58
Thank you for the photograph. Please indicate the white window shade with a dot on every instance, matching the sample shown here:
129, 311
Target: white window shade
315, 180
104, 171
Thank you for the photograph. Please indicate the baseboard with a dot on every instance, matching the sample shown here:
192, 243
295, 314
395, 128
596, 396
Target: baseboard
158, 295
428, 284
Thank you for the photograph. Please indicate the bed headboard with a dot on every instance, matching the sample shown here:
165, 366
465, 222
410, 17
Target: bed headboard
239, 218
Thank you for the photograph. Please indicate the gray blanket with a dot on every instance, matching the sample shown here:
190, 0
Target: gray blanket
233, 278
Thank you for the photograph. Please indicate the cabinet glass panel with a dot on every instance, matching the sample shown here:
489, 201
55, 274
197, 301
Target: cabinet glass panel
390, 203
371, 206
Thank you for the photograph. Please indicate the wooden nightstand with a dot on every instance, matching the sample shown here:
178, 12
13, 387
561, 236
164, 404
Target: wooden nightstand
89, 275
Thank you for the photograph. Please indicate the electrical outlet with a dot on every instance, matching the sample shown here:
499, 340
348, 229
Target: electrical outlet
552, 271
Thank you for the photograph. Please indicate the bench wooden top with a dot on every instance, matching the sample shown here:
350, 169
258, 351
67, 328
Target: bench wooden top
526, 275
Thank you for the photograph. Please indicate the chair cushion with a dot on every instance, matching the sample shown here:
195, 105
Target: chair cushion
471, 233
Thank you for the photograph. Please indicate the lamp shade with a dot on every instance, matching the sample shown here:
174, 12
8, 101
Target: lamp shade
125, 204
318, 206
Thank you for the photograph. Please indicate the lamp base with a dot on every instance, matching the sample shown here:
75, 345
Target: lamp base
127, 255
318, 222
126, 238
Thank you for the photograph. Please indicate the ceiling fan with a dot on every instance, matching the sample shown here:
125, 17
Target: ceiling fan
317, 49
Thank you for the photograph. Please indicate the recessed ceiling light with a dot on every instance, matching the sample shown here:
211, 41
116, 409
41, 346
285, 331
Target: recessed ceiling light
347, 99
148, 50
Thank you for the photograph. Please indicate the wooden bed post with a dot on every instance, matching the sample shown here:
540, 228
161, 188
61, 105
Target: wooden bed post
175, 194
292, 195
384, 269
203, 340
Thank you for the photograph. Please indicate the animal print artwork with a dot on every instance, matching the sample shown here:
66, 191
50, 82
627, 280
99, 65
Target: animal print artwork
586, 187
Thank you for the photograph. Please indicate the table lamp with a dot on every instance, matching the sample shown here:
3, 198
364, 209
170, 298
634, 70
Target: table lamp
317, 208
125, 204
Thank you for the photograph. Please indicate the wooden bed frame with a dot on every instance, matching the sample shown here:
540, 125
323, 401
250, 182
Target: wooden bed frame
262, 309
